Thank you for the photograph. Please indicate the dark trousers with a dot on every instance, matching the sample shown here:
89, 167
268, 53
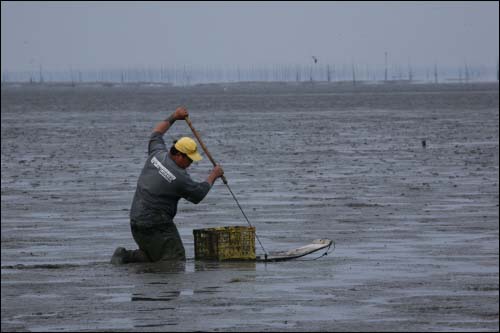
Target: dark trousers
158, 238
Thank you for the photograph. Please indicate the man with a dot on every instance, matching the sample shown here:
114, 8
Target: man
163, 181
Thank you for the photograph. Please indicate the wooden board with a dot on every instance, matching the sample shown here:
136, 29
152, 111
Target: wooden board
316, 245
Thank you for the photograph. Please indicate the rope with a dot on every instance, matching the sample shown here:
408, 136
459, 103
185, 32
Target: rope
246, 218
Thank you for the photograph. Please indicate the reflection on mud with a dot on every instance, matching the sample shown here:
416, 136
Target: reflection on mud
165, 296
202, 265
170, 280
187, 266
160, 267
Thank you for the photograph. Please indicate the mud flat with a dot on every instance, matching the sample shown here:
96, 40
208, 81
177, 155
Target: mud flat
415, 228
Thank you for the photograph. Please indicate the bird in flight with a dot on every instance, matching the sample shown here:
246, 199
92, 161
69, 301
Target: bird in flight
315, 59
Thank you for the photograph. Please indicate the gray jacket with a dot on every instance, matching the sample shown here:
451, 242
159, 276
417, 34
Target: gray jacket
162, 183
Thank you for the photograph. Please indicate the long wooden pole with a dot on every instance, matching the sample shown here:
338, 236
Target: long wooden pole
188, 121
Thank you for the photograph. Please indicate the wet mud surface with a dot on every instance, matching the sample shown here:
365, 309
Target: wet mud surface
415, 228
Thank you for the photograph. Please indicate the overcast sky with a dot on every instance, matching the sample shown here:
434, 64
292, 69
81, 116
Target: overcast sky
95, 35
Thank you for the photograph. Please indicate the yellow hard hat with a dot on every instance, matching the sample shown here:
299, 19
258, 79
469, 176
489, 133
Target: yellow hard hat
188, 146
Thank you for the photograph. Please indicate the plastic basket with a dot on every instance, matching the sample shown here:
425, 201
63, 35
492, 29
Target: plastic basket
225, 243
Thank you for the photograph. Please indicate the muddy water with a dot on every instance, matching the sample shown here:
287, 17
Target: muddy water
415, 228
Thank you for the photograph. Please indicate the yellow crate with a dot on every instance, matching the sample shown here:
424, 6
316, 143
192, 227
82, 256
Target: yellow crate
225, 243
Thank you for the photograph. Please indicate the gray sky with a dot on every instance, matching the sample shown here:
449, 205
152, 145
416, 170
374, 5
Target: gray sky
94, 35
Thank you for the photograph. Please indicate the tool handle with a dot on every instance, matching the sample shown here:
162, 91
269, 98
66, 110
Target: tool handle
188, 121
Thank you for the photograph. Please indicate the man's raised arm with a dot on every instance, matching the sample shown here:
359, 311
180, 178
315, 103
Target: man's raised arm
179, 114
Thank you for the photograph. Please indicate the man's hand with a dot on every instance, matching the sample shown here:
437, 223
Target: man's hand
181, 113
216, 172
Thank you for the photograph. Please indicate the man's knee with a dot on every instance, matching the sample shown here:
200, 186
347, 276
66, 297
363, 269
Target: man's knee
138, 256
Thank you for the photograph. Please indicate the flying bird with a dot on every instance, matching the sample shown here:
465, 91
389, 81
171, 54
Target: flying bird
315, 59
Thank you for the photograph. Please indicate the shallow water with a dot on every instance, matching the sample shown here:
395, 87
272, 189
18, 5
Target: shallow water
415, 229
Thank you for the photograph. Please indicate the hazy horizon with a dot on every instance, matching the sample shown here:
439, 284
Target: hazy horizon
61, 36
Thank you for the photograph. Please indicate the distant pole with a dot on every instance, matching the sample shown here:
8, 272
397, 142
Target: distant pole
41, 74
353, 75
315, 61
435, 74
410, 71
71, 75
466, 73
385, 71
